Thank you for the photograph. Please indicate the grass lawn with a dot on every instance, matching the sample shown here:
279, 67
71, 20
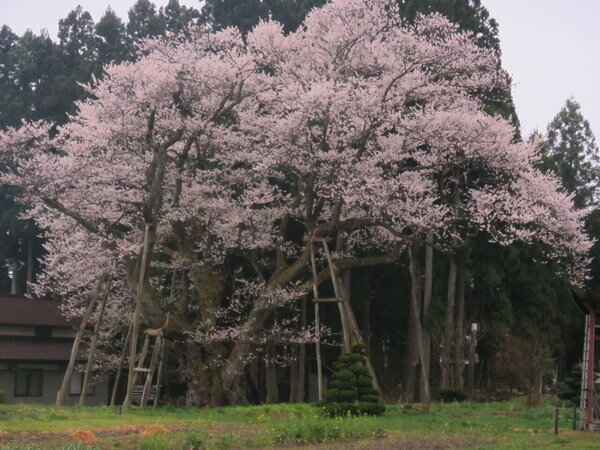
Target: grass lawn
458, 425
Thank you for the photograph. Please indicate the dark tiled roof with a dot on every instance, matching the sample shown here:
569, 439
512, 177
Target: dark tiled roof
24, 311
38, 349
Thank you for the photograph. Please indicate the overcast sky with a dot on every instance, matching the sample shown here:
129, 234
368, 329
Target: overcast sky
551, 48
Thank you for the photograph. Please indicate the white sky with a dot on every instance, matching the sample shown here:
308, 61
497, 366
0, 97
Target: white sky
551, 48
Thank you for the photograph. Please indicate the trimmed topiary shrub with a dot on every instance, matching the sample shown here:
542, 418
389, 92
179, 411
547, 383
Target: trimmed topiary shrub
351, 390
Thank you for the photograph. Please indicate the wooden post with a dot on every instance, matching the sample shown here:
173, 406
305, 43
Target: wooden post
150, 375
344, 317
317, 322
135, 321
140, 365
94, 344
351, 322
590, 375
61, 395
556, 420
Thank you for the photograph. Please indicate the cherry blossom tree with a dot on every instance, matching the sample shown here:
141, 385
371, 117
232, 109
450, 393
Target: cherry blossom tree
198, 176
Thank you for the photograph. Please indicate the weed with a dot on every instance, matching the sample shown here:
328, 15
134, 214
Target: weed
313, 431
155, 443
195, 440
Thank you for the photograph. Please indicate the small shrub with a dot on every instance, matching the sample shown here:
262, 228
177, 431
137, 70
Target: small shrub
3, 396
452, 395
351, 389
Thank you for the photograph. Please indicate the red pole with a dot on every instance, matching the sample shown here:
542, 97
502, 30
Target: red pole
590, 368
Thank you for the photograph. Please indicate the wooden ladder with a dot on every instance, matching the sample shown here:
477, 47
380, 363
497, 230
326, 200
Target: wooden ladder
350, 330
144, 392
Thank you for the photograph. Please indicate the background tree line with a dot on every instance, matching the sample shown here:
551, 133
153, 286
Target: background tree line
524, 311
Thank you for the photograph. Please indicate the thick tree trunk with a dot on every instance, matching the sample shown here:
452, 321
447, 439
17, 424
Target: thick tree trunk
204, 384
272, 388
92, 353
414, 324
446, 364
459, 332
426, 340
61, 395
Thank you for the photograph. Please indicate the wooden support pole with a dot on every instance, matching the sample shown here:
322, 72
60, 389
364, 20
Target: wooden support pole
138, 369
150, 375
61, 395
338, 294
135, 321
92, 354
317, 322
590, 367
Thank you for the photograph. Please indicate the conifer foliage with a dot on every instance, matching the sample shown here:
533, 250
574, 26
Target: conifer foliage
351, 389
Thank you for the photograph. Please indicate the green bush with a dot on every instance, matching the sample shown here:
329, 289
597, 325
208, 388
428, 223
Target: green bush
351, 389
2, 396
452, 395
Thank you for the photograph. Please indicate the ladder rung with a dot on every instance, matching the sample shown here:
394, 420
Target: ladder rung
141, 369
327, 300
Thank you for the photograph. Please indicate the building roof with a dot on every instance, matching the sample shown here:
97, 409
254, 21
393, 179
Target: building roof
18, 310
43, 350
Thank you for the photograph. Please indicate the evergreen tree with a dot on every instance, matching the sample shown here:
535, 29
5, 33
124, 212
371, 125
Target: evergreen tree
245, 14
351, 389
178, 18
114, 46
76, 35
144, 21
469, 15
572, 154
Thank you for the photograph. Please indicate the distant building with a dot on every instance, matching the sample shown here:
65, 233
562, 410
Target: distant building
35, 346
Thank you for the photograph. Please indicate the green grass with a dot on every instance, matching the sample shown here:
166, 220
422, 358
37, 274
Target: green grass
464, 425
